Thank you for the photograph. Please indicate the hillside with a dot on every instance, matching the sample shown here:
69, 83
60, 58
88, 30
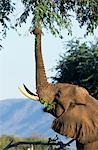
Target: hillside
22, 117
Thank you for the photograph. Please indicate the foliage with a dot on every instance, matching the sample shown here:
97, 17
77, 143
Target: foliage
79, 65
6, 8
45, 13
53, 15
50, 13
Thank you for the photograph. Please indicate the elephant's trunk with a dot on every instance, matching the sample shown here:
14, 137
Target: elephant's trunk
41, 80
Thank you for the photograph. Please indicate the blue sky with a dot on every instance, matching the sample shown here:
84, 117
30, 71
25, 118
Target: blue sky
17, 60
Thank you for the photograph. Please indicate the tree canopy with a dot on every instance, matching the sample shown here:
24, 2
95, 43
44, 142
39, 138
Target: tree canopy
79, 65
6, 8
53, 14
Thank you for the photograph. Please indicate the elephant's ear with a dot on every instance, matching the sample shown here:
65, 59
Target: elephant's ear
72, 95
80, 123
80, 95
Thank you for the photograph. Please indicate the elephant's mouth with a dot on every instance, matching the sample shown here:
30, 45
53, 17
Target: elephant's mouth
56, 110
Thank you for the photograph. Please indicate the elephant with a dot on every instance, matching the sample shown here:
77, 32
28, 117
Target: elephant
74, 109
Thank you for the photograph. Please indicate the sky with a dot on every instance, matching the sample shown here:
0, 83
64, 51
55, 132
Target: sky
17, 61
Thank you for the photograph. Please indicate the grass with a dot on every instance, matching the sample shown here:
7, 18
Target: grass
5, 140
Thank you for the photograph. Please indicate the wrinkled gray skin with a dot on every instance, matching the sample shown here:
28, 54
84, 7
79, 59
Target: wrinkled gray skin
76, 112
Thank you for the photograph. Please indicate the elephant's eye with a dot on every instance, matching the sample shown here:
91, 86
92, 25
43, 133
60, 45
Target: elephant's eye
57, 95
72, 105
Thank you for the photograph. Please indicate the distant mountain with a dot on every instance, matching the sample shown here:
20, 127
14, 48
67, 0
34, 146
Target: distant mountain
22, 117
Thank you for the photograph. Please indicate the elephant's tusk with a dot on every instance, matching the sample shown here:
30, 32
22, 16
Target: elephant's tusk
28, 91
25, 93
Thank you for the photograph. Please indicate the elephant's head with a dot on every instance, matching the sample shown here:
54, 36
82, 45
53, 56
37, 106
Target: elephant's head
75, 111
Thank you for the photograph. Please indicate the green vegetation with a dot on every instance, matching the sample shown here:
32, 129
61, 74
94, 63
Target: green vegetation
5, 140
6, 8
51, 14
79, 65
